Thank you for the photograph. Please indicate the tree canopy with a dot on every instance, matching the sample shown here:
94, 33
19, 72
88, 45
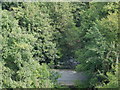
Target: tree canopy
37, 36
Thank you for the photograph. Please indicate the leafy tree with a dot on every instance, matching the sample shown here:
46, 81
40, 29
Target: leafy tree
62, 22
99, 50
113, 80
33, 17
19, 69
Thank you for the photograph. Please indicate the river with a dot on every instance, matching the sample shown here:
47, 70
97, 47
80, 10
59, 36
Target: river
69, 77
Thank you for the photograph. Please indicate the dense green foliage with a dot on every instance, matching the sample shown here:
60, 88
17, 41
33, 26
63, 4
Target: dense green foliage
34, 36
100, 47
19, 68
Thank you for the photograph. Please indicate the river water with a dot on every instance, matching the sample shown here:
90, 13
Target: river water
69, 77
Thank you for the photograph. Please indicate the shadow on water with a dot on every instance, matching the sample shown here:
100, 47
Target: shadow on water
69, 77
